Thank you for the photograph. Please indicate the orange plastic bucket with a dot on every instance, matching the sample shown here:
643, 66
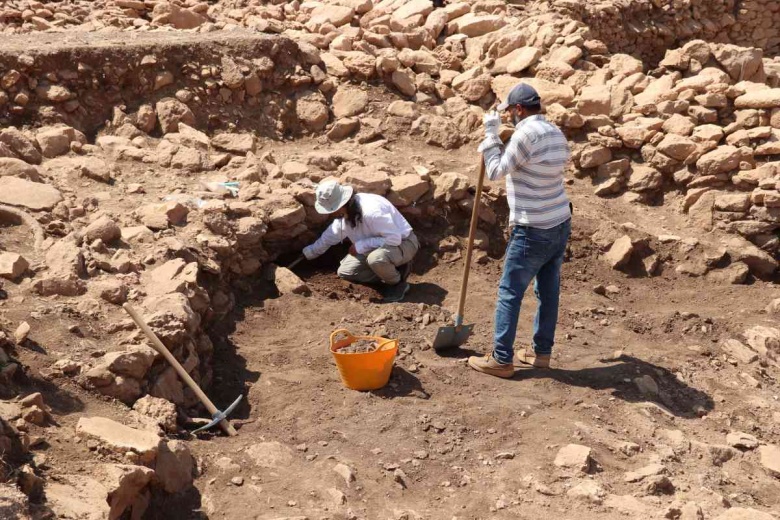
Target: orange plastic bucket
363, 370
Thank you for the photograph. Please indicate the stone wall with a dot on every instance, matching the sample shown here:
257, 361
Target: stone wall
647, 28
79, 80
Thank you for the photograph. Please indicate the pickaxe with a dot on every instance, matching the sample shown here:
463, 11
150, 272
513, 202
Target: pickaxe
216, 415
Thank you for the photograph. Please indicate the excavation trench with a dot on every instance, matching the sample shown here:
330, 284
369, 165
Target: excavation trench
209, 277
231, 376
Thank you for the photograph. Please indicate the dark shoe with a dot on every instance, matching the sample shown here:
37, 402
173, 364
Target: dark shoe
488, 365
405, 271
530, 358
396, 293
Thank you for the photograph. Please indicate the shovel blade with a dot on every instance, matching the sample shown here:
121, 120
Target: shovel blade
451, 337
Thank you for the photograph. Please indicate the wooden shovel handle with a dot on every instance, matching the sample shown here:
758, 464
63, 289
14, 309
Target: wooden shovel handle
472, 231
163, 350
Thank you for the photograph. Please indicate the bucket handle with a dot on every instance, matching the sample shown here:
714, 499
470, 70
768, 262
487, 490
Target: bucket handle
345, 332
382, 345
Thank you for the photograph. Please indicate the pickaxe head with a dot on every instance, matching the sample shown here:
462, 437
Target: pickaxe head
219, 416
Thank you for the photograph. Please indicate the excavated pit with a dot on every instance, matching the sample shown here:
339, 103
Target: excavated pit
263, 112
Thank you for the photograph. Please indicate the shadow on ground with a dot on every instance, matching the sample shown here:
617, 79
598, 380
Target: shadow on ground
402, 384
231, 375
619, 375
425, 292
181, 506
57, 398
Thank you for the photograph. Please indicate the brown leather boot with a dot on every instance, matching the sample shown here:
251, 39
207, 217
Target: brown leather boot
529, 358
488, 365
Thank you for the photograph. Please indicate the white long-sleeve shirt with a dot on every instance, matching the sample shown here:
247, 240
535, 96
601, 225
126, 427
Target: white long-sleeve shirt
382, 225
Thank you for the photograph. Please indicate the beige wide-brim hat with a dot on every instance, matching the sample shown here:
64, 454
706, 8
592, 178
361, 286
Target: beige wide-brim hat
331, 197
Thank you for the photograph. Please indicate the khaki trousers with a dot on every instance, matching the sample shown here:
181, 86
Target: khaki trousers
380, 264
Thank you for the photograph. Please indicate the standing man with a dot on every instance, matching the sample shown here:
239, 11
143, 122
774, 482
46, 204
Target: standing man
533, 163
382, 239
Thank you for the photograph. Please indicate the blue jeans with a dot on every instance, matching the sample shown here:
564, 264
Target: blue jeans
531, 253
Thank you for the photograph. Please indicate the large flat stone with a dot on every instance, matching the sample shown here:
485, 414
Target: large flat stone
574, 456
31, 195
767, 98
270, 454
77, 496
549, 92
740, 513
770, 459
120, 438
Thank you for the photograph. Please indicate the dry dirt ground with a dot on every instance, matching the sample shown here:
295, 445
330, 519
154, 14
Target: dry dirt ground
442, 441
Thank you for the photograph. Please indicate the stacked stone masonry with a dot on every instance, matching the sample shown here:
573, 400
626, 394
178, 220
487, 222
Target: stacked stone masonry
704, 124
648, 28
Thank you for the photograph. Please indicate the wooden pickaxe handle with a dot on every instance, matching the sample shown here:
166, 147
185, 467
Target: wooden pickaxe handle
159, 347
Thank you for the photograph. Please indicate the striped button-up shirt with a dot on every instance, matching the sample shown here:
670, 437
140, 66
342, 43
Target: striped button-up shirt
533, 162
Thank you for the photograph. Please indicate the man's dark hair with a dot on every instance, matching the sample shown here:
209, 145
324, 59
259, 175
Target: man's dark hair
533, 109
354, 212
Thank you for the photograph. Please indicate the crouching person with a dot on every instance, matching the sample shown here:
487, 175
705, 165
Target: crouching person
383, 242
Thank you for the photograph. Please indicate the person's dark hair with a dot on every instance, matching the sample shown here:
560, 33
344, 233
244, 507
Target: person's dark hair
533, 109
354, 212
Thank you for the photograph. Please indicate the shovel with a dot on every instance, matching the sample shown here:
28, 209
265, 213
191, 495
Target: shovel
457, 335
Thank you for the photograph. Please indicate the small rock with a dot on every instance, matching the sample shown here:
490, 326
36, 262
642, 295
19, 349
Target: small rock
113, 291
162, 411
288, 282
647, 471
506, 455
237, 481
22, 331
575, 456
346, 472
647, 386
620, 252
742, 441
349, 101
35, 399
588, 490
740, 351
720, 454
34, 415
657, 485
337, 496
12, 266
400, 477
691, 511
104, 229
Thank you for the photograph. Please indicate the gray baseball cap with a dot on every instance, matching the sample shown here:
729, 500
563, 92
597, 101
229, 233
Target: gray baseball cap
523, 94
331, 197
